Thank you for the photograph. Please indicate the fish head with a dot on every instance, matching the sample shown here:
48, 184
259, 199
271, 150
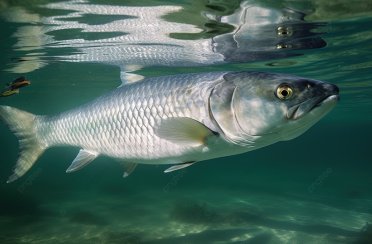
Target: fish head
271, 107
264, 33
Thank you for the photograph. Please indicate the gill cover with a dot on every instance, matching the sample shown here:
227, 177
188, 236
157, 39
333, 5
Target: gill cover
222, 112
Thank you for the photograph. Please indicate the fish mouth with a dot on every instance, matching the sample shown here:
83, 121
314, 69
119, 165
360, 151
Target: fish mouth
299, 110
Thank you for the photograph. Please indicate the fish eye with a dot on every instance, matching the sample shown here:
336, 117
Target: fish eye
284, 92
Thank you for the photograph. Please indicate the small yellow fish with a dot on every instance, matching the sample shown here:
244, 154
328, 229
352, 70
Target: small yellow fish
6, 93
13, 87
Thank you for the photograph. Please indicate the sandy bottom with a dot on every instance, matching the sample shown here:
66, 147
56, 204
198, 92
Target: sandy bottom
167, 215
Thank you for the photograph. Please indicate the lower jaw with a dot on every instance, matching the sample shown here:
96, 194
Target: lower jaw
328, 101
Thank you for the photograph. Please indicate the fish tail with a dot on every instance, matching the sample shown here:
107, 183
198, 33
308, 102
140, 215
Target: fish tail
23, 125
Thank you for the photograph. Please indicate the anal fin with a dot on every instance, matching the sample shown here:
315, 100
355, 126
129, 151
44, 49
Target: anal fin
83, 158
179, 166
128, 168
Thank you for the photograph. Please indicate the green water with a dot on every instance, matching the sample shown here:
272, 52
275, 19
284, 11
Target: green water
313, 189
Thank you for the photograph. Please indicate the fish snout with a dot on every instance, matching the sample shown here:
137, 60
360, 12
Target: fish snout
331, 88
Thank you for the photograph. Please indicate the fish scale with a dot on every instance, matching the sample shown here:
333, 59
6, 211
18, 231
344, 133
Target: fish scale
121, 124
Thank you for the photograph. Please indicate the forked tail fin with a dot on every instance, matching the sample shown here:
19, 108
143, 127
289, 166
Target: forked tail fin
23, 125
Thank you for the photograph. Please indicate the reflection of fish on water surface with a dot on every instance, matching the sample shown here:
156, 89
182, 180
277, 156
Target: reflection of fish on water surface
179, 119
132, 37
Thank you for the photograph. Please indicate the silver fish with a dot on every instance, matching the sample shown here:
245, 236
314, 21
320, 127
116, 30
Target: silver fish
178, 120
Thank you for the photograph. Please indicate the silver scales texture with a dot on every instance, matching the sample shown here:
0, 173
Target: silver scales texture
121, 124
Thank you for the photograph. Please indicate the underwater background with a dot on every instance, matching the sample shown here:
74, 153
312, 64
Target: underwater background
316, 188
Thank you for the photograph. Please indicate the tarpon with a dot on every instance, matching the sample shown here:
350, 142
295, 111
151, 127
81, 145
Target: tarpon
179, 120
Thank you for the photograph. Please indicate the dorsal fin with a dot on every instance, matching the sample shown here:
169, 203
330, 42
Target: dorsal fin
19, 79
128, 77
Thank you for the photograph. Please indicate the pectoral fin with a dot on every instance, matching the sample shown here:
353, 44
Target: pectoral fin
178, 166
183, 131
82, 159
128, 168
